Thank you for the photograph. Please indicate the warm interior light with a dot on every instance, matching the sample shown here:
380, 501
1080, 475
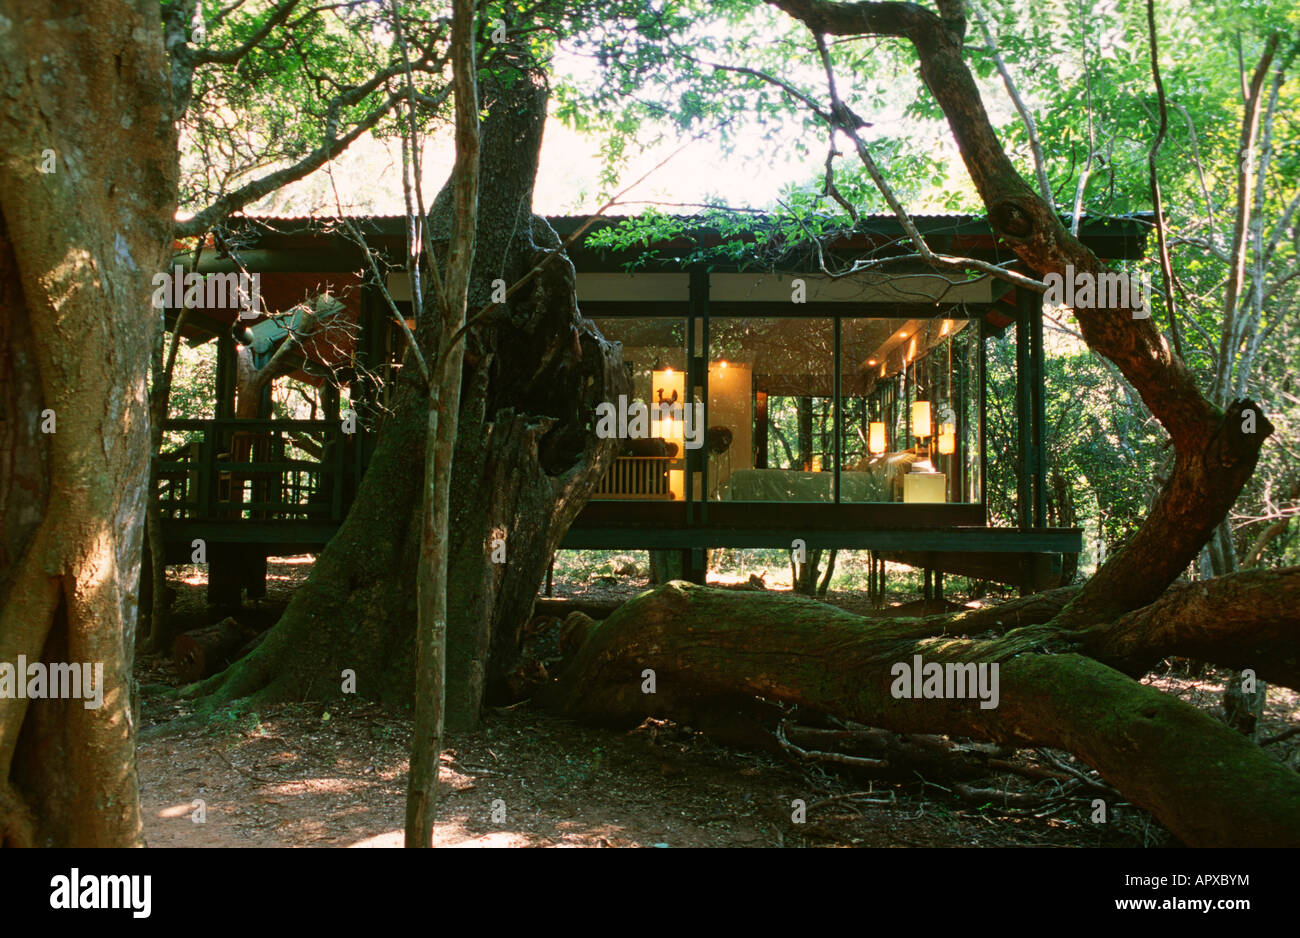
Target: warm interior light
947, 432
921, 420
911, 349
876, 437
668, 386
871, 361
944, 330
882, 369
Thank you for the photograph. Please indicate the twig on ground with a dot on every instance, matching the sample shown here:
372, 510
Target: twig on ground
814, 755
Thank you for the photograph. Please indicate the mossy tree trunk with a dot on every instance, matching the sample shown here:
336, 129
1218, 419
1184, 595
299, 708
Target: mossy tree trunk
1056, 687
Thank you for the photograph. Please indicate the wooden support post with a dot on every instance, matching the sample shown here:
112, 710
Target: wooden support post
225, 389
760, 429
838, 436
337, 470
983, 391
1038, 394
1024, 442
1028, 574
694, 565
329, 399
225, 576
960, 479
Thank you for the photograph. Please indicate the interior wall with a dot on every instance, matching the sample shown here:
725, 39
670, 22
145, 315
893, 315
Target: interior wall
731, 405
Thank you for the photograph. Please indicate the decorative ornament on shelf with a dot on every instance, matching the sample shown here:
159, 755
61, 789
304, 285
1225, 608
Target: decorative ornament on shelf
947, 431
720, 440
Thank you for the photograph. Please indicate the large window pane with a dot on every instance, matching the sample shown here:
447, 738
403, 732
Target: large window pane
771, 413
650, 466
910, 404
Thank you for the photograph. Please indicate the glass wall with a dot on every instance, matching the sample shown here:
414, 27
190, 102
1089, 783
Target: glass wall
771, 415
909, 410
909, 392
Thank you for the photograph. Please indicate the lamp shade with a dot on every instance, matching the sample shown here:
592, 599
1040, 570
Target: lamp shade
921, 420
947, 442
876, 438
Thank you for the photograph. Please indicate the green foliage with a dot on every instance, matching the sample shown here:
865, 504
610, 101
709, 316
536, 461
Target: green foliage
193, 381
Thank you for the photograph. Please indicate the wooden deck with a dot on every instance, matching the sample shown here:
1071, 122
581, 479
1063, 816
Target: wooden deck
263, 488
278, 486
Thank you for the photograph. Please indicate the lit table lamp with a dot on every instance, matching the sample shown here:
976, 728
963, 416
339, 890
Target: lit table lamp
876, 438
947, 431
922, 483
921, 428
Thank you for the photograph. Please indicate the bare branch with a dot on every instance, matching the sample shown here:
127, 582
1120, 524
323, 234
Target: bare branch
334, 145
1241, 224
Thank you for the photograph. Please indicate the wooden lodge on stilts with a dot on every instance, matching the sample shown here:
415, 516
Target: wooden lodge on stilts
847, 413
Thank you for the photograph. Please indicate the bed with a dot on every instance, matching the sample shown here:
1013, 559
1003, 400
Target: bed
872, 479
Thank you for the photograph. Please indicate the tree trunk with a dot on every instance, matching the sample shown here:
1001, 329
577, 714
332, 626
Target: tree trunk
665, 566
1209, 785
156, 632
526, 458
87, 195
447, 306
805, 433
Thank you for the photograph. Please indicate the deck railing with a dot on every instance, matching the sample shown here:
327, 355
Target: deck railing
299, 470
637, 477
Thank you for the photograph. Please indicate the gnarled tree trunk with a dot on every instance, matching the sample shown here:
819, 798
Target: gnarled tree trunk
526, 457
87, 194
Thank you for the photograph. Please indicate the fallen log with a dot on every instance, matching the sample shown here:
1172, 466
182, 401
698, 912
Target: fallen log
204, 652
597, 609
1207, 784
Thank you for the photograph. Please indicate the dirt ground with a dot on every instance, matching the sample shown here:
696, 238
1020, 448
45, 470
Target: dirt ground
335, 776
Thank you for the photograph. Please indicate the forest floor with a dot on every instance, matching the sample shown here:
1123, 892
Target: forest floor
335, 775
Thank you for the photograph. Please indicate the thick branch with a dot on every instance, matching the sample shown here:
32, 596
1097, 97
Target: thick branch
1243, 620
232, 56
